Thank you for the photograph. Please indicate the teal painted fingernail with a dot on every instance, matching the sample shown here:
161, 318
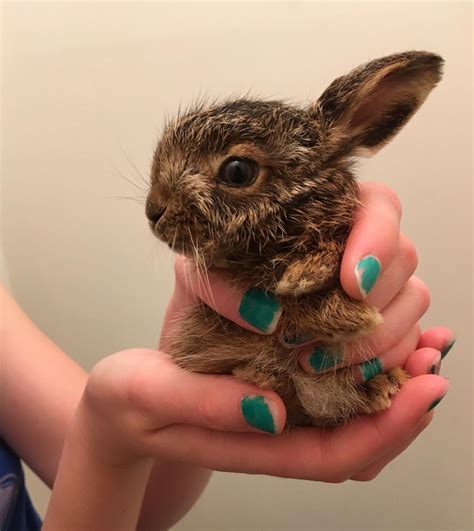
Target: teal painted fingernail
435, 403
447, 348
370, 369
260, 309
297, 340
321, 360
367, 271
257, 413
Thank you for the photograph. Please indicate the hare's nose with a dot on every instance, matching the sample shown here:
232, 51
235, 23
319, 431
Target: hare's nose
154, 215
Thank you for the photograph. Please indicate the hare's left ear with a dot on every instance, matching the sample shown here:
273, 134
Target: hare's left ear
360, 112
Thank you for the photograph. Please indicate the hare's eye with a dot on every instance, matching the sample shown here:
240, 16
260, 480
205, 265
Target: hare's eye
238, 171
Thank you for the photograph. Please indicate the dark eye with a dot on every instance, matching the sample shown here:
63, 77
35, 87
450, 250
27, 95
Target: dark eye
238, 171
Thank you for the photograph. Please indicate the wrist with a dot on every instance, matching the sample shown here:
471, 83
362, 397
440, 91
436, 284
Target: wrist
105, 436
100, 483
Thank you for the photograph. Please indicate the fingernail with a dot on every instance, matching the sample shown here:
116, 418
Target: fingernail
321, 360
435, 403
296, 340
447, 348
370, 369
260, 309
366, 272
435, 365
257, 413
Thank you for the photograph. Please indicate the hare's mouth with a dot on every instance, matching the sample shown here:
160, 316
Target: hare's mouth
177, 236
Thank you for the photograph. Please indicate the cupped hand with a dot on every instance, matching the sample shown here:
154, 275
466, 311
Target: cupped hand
219, 438
141, 404
147, 406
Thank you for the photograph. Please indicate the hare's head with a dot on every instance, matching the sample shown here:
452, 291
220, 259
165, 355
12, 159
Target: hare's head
245, 176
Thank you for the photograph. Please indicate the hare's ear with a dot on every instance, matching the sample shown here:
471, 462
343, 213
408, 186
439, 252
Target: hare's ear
362, 111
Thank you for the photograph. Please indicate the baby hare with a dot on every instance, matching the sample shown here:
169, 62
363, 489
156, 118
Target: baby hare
262, 192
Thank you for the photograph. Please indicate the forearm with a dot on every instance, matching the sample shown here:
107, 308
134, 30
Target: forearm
98, 486
41, 387
173, 488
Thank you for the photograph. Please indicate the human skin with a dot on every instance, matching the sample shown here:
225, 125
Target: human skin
130, 439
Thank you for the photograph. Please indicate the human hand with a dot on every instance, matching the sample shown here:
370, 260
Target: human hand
385, 280
403, 299
138, 404
142, 404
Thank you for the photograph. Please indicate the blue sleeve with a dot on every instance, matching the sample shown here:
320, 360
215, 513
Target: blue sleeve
16, 510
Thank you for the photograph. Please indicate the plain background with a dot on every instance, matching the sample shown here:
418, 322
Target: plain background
86, 87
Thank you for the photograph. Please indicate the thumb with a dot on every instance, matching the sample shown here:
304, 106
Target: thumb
168, 394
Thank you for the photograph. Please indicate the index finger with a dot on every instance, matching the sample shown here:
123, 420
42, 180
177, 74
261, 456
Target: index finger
252, 309
373, 241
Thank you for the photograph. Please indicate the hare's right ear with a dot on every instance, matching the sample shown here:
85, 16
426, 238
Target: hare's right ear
360, 112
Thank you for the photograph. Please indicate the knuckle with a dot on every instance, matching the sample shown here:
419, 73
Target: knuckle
409, 254
206, 412
417, 332
368, 475
333, 469
422, 293
390, 195
337, 478
134, 395
338, 473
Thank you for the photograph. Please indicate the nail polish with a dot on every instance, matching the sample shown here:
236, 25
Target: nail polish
435, 403
256, 412
367, 272
447, 348
260, 309
296, 341
370, 369
322, 360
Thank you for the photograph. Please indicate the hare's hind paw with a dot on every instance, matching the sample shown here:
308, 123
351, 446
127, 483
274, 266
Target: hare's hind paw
381, 389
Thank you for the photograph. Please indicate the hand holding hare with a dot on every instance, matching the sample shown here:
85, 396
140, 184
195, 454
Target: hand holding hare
263, 193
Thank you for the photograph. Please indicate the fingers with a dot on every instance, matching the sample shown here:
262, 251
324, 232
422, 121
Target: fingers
373, 470
214, 402
376, 436
151, 387
395, 276
399, 317
433, 346
308, 453
374, 240
424, 361
376, 231
396, 356
439, 338
253, 309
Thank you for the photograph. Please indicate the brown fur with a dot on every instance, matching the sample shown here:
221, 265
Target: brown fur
285, 233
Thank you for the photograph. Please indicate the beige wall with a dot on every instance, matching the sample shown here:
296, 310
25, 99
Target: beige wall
85, 91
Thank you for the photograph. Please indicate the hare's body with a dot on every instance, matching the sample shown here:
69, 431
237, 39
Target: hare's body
212, 344
263, 192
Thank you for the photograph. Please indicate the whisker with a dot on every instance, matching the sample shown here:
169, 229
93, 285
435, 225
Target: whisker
139, 200
141, 187
133, 165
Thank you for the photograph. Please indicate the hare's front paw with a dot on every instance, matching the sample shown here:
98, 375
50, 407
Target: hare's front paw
335, 397
330, 318
380, 391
